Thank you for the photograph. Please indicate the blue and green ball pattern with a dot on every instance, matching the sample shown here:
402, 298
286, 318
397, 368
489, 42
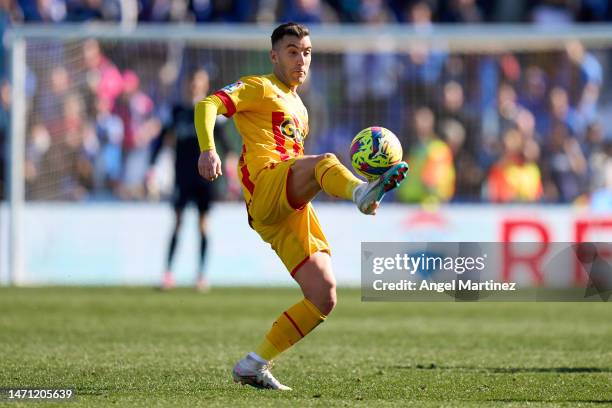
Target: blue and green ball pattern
374, 151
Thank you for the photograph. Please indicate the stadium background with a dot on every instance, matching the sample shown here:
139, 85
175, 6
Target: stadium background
494, 135
491, 88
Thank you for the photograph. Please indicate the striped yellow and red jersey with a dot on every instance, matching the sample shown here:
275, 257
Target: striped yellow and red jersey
272, 121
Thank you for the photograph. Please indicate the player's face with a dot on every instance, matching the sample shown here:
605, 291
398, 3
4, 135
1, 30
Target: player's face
291, 58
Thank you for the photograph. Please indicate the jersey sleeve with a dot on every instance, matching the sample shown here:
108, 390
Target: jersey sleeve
242, 95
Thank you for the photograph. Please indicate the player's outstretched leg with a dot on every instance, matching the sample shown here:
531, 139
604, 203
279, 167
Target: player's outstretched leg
367, 196
336, 180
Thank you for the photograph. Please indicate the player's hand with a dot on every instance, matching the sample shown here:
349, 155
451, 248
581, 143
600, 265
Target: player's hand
209, 165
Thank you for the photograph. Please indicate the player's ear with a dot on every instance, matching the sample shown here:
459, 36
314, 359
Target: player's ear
273, 56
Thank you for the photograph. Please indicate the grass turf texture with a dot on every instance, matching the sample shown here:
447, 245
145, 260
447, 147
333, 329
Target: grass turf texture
140, 348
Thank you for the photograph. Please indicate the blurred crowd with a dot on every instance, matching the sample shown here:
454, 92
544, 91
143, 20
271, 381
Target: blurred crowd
523, 127
511, 127
308, 11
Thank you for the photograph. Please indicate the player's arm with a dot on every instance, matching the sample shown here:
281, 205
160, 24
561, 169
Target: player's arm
206, 111
243, 95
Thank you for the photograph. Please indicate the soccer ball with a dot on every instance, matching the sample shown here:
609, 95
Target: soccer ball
374, 151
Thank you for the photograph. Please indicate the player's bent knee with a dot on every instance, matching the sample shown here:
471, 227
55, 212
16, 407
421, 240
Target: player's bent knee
325, 298
331, 302
324, 302
318, 283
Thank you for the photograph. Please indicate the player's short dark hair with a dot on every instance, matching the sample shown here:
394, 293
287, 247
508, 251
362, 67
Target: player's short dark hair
293, 29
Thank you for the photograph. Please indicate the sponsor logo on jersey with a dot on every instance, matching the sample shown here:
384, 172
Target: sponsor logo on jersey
232, 87
288, 129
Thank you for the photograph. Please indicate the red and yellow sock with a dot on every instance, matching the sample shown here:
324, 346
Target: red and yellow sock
293, 324
335, 179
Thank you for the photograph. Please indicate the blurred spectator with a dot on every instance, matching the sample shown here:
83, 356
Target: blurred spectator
307, 11
162, 11
508, 108
505, 11
61, 168
422, 66
583, 78
73, 123
460, 11
497, 123
43, 11
533, 96
87, 10
453, 107
554, 12
515, 177
104, 81
421, 73
432, 175
53, 92
109, 162
601, 199
349, 11
371, 76
39, 141
510, 69
564, 159
141, 126
562, 115
595, 152
64, 168
52, 10
226, 11
319, 125
525, 124
420, 15
469, 175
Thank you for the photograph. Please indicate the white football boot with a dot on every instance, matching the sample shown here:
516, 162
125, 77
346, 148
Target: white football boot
252, 372
368, 195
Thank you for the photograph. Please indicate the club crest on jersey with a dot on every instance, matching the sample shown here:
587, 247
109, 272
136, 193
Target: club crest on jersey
232, 87
288, 129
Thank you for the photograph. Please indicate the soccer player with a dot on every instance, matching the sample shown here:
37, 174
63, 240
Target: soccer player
188, 185
278, 183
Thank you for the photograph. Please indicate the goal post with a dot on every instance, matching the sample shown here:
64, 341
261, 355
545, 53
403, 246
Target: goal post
15, 173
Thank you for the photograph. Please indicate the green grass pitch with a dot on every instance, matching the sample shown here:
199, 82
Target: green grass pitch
134, 347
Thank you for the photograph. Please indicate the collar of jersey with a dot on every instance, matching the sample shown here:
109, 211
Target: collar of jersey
280, 84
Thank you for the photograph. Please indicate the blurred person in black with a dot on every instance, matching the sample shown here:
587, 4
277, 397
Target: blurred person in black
188, 185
